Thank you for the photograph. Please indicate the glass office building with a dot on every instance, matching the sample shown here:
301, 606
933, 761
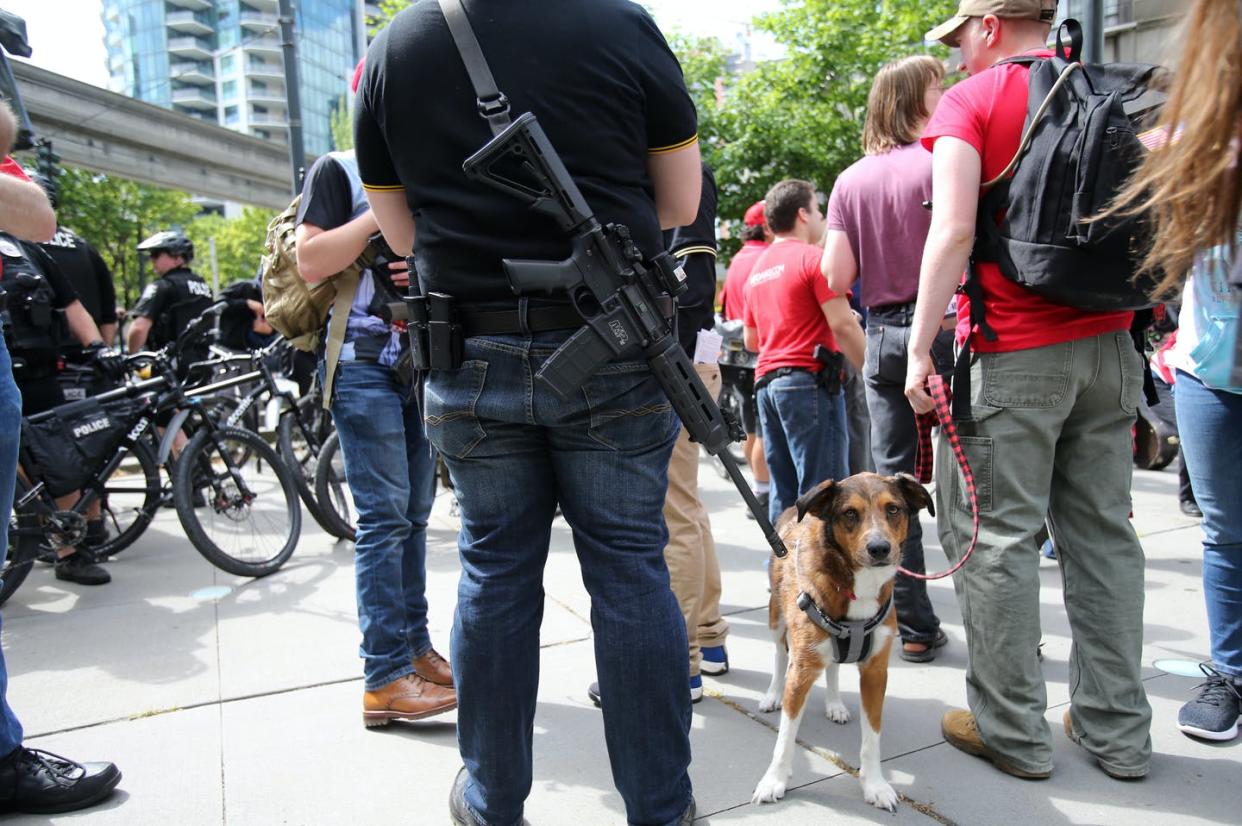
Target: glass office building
221, 60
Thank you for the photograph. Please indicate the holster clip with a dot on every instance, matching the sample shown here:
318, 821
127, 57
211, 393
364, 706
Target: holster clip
830, 378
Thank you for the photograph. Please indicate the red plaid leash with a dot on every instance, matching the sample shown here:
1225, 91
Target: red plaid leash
944, 416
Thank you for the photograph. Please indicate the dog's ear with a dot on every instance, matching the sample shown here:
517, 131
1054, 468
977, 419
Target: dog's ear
816, 499
916, 495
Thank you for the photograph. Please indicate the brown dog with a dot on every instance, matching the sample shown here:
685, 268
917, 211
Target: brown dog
831, 603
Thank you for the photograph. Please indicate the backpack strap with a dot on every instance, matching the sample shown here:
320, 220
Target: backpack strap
346, 289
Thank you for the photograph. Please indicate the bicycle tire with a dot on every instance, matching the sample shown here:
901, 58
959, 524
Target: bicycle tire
206, 468
332, 490
152, 493
302, 462
22, 550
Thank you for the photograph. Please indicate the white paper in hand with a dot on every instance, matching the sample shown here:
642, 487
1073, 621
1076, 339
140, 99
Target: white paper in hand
707, 348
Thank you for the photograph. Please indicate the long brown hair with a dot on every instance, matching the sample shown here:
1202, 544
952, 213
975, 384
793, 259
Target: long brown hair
1192, 186
895, 106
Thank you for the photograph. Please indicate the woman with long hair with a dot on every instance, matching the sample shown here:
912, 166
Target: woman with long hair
1192, 189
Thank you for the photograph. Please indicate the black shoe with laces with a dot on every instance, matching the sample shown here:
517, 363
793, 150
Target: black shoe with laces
80, 567
1213, 715
39, 782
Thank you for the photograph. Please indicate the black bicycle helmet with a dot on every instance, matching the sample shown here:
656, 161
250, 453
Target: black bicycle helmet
172, 242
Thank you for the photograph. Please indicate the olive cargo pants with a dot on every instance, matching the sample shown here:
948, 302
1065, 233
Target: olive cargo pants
1050, 435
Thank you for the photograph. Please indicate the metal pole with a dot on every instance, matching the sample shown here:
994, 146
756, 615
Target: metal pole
1094, 47
215, 266
293, 97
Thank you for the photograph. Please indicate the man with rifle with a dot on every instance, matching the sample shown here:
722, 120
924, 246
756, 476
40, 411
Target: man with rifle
625, 128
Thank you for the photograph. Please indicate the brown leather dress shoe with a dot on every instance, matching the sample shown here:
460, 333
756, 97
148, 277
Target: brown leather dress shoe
434, 669
406, 698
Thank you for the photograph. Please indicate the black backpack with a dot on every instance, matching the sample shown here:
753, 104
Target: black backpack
1080, 147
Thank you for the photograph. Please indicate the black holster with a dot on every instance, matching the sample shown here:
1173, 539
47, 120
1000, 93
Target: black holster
831, 376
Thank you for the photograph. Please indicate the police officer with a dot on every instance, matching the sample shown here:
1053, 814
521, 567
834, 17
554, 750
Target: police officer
173, 300
610, 96
85, 269
43, 315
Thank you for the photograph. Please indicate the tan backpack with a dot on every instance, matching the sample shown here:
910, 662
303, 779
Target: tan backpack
298, 310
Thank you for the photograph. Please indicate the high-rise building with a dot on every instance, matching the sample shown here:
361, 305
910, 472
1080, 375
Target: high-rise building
221, 60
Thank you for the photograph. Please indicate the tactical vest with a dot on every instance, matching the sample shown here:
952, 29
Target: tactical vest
34, 328
192, 295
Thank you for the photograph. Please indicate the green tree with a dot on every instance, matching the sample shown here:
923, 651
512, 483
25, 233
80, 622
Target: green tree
802, 116
341, 124
239, 243
114, 215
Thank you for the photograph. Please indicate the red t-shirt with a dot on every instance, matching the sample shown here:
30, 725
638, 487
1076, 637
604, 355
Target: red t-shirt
11, 167
783, 298
988, 111
732, 295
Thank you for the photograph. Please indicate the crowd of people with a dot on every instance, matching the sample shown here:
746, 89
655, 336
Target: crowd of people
1047, 393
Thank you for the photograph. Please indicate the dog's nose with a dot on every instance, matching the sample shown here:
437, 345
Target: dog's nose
879, 549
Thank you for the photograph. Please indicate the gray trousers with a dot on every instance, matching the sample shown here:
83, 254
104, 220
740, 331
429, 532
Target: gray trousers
894, 440
1049, 436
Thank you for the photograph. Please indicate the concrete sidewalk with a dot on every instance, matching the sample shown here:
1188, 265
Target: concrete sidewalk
244, 707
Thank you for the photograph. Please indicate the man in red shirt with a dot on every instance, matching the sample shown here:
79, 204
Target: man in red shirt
1052, 401
756, 238
789, 310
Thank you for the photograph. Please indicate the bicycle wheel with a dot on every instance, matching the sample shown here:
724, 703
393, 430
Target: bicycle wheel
301, 455
129, 498
332, 490
249, 516
23, 549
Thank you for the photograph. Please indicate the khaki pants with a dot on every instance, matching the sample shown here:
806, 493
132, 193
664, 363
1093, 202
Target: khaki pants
1050, 435
690, 553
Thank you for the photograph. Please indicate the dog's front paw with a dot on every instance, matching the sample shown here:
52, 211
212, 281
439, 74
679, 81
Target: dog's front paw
770, 789
837, 712
770, 702
881, 795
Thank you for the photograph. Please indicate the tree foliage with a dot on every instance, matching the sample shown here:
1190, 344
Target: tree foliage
801, 116
239, 243
114, 215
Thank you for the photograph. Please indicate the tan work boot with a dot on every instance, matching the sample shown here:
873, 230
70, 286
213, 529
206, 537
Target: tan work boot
434, 669
960, 731
406, 698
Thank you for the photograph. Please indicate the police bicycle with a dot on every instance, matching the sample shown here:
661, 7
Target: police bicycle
242, 514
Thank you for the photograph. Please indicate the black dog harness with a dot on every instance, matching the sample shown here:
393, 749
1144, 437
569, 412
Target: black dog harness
851, 639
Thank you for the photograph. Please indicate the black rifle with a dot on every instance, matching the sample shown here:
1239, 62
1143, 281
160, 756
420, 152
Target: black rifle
617, 291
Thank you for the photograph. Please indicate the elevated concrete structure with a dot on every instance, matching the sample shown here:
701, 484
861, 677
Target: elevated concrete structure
106, 132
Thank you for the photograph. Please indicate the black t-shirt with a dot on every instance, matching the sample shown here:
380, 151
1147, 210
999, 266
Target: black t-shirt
171, 301
694, 245
597, 74
327, 197
88, 273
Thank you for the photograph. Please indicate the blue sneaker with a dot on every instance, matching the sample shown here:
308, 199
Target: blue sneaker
1048, 549
715, 660
696, 688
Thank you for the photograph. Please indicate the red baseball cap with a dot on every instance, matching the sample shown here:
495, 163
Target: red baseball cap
754, 215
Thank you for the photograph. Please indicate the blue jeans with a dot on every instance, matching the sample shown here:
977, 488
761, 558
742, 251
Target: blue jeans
375, 421
10, 433
805, 437
514, 450
1210, 424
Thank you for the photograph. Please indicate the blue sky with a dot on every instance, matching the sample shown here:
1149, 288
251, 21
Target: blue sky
67, 35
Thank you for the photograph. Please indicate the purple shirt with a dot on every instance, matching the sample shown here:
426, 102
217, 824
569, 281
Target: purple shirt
878, 204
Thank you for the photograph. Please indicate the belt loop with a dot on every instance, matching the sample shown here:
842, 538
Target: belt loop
523, 321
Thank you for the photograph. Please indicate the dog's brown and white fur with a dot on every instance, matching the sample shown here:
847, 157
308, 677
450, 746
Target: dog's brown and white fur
844, 541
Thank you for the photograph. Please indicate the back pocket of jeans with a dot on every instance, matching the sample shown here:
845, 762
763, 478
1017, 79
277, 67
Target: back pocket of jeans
449, 408
627, 409
1035, 378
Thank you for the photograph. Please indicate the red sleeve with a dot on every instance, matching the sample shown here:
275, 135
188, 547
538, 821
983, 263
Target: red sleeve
815, 278
961, 113
11, 167
748, 317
